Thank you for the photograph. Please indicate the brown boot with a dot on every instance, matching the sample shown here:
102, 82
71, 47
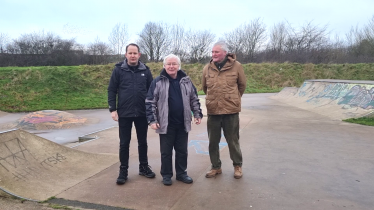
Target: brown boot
213, 172
238, 172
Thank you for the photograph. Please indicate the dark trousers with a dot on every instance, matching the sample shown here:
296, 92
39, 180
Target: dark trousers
177, 138
125, 126
229, 123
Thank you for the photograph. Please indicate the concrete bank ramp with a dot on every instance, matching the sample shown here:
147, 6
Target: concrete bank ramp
338, 99
35, 168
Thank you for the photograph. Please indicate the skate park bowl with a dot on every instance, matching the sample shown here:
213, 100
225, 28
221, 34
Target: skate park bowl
337, 99
35, 168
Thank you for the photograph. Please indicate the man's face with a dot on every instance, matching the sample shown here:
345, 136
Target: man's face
171, 66
132, 55
218, 54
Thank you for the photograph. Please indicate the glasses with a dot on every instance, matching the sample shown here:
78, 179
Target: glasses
172, 64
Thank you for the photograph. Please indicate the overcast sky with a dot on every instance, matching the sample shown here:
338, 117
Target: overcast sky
85, 20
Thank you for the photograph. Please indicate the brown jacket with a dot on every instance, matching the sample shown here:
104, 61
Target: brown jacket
224, 88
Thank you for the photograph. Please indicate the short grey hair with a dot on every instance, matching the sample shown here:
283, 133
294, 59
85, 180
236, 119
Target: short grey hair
223, 46
172, 56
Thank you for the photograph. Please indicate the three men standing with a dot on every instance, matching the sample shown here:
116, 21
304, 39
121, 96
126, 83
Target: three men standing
130, 82
224, 83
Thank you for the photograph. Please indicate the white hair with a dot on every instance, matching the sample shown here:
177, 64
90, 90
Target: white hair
172, 56
223, 46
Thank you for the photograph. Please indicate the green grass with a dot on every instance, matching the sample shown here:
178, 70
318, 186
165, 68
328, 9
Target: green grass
362, 121
61, 88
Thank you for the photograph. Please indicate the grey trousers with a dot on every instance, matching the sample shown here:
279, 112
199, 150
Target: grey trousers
229, 123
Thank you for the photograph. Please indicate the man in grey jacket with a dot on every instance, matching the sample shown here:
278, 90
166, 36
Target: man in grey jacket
170, 100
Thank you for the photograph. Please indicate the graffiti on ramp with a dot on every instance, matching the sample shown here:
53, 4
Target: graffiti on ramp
35, 168
340, 99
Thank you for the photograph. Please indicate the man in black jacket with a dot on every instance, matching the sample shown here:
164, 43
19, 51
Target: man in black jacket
130, 82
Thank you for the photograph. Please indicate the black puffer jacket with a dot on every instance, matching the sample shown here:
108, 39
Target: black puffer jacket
131, 88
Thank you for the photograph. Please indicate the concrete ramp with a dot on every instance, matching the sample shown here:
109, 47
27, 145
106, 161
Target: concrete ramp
338, 99
35, 168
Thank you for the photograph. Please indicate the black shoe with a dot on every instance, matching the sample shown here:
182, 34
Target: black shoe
146, 171
167, 181
185, 178
122, 176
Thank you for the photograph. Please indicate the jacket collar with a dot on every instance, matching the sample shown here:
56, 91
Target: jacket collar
180, 73
231, 58
125, 66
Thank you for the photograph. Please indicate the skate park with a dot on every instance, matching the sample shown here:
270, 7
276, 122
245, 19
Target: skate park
298, 154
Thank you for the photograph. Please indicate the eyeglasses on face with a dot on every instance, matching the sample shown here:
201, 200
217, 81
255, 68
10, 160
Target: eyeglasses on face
171, 64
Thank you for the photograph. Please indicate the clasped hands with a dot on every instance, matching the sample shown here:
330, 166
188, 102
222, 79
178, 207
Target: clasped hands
156, 126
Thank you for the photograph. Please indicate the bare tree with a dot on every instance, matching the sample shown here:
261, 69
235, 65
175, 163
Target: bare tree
99, 51
247, 39
178, 44
254, 37
40, 48
199, 43
4, 40
337, 50
276, 45
118, 38
36, 43
154, 40
369, 30
99, 47
360, 43
366, 45
235, 41
278, 37
308, 37
354, 37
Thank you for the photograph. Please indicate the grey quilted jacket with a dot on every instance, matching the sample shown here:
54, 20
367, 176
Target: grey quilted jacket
156, 102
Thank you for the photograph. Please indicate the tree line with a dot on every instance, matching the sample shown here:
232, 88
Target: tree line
251, 42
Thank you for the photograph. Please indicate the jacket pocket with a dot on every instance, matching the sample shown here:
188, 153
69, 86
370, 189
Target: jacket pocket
231, 79
210, 80
232, 100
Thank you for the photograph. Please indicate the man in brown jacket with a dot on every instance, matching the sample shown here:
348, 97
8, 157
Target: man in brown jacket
224, 83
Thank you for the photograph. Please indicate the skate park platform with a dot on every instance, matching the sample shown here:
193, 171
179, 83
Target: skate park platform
293, 158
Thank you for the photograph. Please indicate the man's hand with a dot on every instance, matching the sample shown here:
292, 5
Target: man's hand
155, 126
114, 115
197, 121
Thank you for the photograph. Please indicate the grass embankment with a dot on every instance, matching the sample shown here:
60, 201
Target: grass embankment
59, 88
25, 89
